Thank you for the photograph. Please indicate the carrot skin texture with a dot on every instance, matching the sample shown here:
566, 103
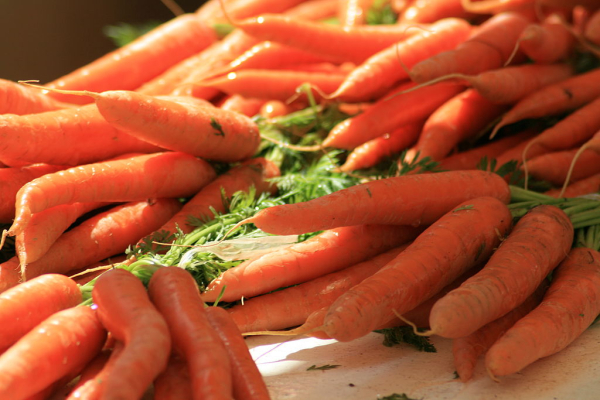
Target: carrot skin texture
26, 305
472, 230
553, 167
126, 311
20, 100
547, 42
64, 342
10, 274
497, 288
175, 294
174, 382
578, 188
570, 305
369, 202
329, 251
167, 174
247, 379
192, 127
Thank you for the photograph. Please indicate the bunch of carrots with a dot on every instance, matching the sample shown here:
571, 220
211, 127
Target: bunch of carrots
318, 167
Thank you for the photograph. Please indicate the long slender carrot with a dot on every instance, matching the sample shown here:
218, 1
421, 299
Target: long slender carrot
128, 67
175, 294
26, 305
591, 144
248, 382
429, 11
10, 274
568, 308
167, 174
101, 236
174, 382
243, 105
126, 311
496, 6
456, 242
326, 252
405, 200
578, 188
61, 344
498, 288
19, 100
354, 12
554, 167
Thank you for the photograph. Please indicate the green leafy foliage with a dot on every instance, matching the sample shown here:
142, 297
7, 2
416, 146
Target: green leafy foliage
322, 367
122, 33
405, 334
381, 13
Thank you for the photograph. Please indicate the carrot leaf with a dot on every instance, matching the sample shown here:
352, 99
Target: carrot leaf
322, 367
406, 334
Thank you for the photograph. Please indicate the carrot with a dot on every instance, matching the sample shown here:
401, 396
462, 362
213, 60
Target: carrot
592, 144
403, 200
568, 308
255, 173
90, 372
591, 32
466, 350
512, 273
175, 294
489, 47
61, 344
428, 11
554, 99
46, 227
130, 66
275, 108
463, 117
247, 106
213, 11
174, 382
247, 380
578, 188
19, 100
554, 167
13, 178
456, 242
101, 236
547, 42
26, 305
326, 252
168, 174
390, 65
382, 117
126, 311
375, 150
515, 153
10, 274
72, 136
354, 12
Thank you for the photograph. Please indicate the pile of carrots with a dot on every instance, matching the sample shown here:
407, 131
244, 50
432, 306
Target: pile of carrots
465, 138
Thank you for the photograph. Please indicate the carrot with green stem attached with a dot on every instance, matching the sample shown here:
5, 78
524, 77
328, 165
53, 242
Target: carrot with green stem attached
512, 273
469, 234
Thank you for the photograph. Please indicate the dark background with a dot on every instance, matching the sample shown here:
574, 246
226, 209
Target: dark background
45, 39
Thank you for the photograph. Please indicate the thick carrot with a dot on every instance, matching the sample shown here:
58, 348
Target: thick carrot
547, 42
456, 242
326, 252
175, 294
243, 105
101, 236
390, 65
255, 173
578, 188
467, 350
496, 6
489, 47
513, 272
554, 167
430, 11
213, 10
354, 12
126, 311
10, 274
20, 100
405, 200
174, 382
167, 174
26, 305
248, 382
569, 307
72, 136
383, 116
61, 344
128, 67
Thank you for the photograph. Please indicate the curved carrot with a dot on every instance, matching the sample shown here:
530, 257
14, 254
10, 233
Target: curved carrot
554, 167
168, 174
547, 42
24, 306
513, 272
578, 188
403, 200
456, 242
175, 294
247, 380
568, 308
213, 10
430, 11
20, 100
174, 382
243, 105
326, 252
128, 314
60, 345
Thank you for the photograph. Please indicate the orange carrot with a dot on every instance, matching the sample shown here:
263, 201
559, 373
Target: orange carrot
403, 200
592, 144
213, 11
102, 236
275, 108
247, 379
354, 12
496, 6
128, 314
433, 10
61, 344
547, 42
382, 117
248, 106
20, 100
568, 308
10, 274
174, 382
554, 167
515, 153
168, 174
591, 32
513, 272
26, 305
175, 294
130, 66
578, 188
454, 243
489, 47
326, 252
